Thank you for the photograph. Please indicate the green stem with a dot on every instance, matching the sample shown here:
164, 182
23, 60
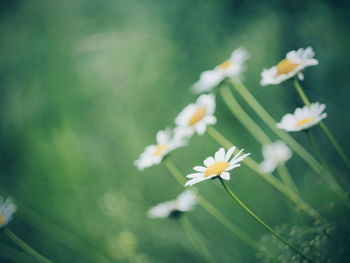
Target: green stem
335, 144
255, 130
243, 117
301, 93
14, 255
331, 180
67, 238
286, 177
218, 137
25, 247
261, 222
211, 209
269, 121
195, 238
253, 165
323, 126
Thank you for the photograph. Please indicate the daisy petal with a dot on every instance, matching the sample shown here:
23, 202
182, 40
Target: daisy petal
239, 159
301, 76
225, 176
199, 168
234, 158
220, 155
209, 161
232, 166
229, 153
267, 166
194, 175
194, 181
161, 137
201, 128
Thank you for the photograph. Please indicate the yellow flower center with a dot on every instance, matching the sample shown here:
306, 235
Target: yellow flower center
2, 220
304, 121
160, 149
216, 168
285, 66
197, 116
225, 65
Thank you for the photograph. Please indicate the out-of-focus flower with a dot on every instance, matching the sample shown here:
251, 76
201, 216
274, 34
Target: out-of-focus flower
195, 117
233, 67
217, 166
183, 203
292, 65
208, 80
303, 118
274, 154
167, 141
7, 208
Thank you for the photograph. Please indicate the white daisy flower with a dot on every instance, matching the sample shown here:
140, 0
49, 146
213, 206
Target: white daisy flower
303, 118
7, 208
208, 80
195, 117
274, 154
233, 67
167, 141
183, 203
292, 65
220, 165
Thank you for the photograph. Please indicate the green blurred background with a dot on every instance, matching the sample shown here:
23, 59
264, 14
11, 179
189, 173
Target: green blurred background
86, 84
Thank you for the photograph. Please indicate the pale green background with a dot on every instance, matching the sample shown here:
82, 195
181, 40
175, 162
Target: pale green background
86, 84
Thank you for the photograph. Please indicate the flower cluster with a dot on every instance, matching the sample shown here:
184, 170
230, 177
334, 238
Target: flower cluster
292, 65
196, 117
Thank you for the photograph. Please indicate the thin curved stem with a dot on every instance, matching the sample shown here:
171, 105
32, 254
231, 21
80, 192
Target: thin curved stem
243, 117
169, 164
301, 93
255, 130
14, 255
19, 242
333, 182
335, 143
253, 165
218, 137
323, 126
61, 235
211, 209
261, 222
215, 212
195, 238
269, 121
287, 178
